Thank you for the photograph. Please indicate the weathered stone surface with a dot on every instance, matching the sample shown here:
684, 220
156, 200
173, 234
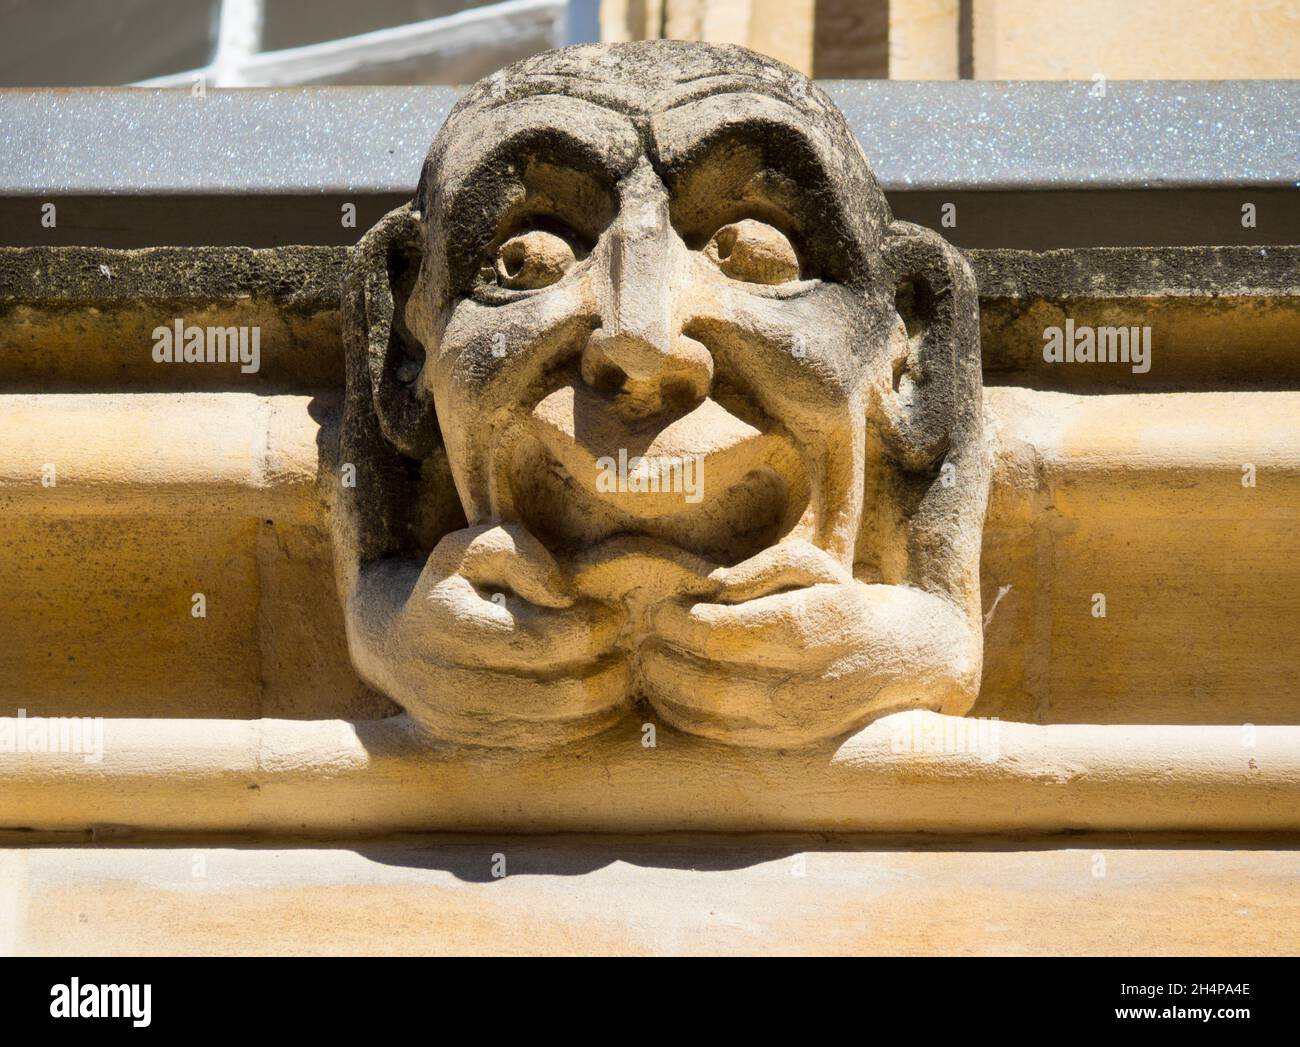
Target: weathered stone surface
913, 771
1229, 316
1135, 494
674, 255
78, 317
668, 894
656, 254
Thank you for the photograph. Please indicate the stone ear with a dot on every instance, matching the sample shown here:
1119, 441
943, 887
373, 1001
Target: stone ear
936, 299
381, 276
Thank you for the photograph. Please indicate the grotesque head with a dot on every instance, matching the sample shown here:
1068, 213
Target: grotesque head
651, 403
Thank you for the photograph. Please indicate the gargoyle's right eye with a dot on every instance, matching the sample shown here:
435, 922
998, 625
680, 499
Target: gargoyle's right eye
754, 252
532, 259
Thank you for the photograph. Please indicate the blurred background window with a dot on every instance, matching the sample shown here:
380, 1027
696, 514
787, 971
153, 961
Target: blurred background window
254, 43
68, 43
76, 43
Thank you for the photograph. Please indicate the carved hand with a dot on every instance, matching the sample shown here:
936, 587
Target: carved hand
793, 650
492, 645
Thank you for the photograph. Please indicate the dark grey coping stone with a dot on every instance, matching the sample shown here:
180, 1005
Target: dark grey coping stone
920, 136
1031, 165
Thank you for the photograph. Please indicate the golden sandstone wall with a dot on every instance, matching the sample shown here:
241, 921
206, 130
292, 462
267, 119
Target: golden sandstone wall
171, 482
235, 570
986, 39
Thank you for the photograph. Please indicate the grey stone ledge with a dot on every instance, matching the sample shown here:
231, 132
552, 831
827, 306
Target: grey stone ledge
920, 136
1227, 318
308, 277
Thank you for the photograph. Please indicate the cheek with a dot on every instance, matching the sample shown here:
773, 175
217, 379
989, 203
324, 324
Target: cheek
488, 355
815, 353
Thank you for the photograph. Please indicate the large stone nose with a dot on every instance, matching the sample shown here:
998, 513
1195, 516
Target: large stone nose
639, 350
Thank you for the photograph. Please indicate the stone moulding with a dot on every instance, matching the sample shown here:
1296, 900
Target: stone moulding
680, 251
334, 777
68, 326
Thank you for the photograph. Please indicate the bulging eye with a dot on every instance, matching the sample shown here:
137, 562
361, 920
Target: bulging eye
532, 259
755, 252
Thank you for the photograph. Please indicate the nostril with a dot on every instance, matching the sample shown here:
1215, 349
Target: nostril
689, 378
680, 393
647, 377
726, 242
599, 371
512, 258
607, 378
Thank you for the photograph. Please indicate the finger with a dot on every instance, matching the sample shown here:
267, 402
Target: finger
467, 627
765, 708
486, 707
791, 630
788, 565
750, 706
502, 558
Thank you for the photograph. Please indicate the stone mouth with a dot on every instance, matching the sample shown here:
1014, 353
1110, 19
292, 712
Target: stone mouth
706, 481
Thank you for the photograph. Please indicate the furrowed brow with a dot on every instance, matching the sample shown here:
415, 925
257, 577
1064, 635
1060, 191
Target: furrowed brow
557, 129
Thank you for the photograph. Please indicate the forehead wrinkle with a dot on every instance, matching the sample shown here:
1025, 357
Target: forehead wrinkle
633, 99
838, 177
638, 119
648, 76
476, 136
708, 121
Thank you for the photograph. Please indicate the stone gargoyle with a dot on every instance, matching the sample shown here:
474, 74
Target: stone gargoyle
651, 405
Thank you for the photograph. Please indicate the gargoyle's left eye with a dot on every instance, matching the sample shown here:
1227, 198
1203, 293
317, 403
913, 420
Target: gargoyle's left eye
533, 259
755, 252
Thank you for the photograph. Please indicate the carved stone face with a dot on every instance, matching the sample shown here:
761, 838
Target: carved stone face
711, 418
